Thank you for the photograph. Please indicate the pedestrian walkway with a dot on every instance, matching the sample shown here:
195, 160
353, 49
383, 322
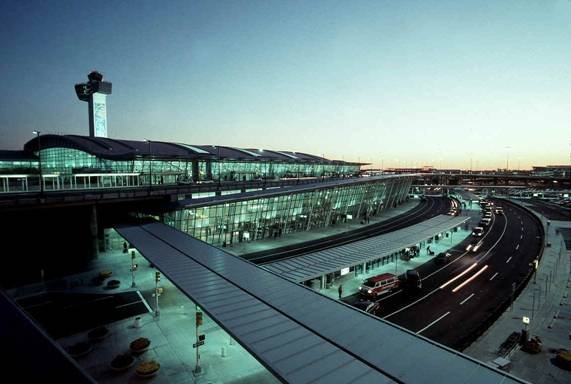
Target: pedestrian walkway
352, 281
317, 233
545, 301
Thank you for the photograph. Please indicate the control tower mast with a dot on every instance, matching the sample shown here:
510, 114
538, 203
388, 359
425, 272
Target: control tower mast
95, 92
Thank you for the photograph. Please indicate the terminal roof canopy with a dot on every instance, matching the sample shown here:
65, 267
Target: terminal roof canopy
333, 259
299, 335
115, 149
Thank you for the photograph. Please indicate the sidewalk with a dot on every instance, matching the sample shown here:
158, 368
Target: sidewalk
547, 305
172, 334
316, 233
351, 282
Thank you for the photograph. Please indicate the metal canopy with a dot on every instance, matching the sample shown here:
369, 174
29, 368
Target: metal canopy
301, 336
288, 349
315, 264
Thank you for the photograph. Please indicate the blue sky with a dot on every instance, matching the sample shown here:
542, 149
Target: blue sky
407, 83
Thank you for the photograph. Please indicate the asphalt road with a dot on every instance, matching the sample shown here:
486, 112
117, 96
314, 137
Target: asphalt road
451, 311
433, 206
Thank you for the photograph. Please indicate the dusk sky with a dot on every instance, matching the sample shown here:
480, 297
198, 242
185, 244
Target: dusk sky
408, 83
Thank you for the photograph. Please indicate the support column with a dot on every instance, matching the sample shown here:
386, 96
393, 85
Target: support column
93, 226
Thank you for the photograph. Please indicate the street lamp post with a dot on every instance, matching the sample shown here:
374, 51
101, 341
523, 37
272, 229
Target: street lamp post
133, 269
38, 133
157, 279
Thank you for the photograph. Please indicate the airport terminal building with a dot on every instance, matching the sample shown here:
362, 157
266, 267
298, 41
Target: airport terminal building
67, 162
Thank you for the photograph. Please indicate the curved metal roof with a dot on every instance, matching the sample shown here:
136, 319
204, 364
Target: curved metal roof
115, 149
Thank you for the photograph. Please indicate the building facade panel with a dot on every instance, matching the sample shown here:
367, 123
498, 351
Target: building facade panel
227, 223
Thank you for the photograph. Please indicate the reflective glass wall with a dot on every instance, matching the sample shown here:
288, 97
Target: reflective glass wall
272, 217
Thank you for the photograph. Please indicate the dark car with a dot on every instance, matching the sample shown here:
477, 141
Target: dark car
411, 280
443, 258
367, 306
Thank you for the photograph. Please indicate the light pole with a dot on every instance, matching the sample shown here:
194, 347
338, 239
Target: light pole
157, 279
150, 165
133, 269
38, 133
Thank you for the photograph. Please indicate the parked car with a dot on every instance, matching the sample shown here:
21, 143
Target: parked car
486, 221
443, 258
478, 231
411, 280
367, 306
378, 285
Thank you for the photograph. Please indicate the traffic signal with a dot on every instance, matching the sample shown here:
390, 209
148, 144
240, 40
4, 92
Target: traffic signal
198, 318
157, 276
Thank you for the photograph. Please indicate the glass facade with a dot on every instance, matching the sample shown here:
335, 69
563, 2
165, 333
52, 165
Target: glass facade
68, 168
271, 217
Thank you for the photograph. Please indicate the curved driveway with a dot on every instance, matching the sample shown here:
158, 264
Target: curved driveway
457, 299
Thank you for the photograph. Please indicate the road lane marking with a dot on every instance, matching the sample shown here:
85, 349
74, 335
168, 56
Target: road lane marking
496, 243
145, 302
128, 304
411, 304
470, 279
517, 247
509, 259
459, 276
466, 299
492, 278
434, 322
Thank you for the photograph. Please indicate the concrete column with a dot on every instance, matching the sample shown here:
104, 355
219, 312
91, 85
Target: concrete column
94, 230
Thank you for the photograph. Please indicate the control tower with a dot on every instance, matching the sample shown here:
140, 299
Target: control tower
95, 92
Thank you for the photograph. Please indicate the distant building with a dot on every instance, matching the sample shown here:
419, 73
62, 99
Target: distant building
552, 170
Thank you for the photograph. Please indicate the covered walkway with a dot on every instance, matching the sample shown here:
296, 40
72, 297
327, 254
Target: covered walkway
321, 263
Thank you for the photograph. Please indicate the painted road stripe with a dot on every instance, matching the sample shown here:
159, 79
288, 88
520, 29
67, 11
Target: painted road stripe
492, 278
508, 260
466, 299
144, 302
434, 322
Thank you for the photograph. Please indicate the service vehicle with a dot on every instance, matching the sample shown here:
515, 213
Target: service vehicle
379, 285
